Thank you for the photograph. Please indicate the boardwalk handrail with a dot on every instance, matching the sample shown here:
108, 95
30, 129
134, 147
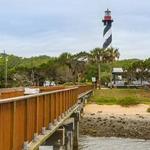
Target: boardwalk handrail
21, 118
19, 98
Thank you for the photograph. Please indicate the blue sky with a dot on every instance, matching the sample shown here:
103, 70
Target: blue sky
39, 27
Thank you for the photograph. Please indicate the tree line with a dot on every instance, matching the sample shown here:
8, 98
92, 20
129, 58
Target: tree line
67, 68
137, 71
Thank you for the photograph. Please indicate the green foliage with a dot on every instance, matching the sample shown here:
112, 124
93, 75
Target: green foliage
124, 63
128, 101
91, 71
148, 110
35, 61
106, 100
123, 97
105, 78
80, 67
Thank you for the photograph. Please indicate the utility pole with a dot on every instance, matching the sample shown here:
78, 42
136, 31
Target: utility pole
99, 75
6, 69
32, 73
99, 71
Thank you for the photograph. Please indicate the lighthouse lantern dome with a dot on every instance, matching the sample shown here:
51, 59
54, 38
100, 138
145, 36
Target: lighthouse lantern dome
107, 12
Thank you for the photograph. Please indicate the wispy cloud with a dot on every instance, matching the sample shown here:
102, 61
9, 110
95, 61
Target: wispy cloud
37, 27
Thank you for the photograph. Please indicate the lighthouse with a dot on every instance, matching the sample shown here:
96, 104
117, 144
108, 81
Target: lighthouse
107, 34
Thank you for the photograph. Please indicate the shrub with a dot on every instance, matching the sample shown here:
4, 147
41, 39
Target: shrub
128, 101
148, 109
106, 100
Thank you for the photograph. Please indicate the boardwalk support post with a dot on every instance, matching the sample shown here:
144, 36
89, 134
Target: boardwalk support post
50, 126
76, 117
35, 137
57, 140
69, 128
43, 130
26, 145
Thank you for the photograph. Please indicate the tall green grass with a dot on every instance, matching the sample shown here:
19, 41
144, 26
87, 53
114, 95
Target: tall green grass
128, 101
106, 100
123, 97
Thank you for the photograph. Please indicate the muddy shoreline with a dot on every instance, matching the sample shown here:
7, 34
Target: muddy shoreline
115, 125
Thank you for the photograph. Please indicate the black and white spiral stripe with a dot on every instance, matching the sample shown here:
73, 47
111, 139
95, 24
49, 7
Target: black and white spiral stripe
107, 36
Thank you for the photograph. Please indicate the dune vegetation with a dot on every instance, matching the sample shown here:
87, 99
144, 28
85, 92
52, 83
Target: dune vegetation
123, 97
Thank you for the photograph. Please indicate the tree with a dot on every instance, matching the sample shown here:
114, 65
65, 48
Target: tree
75, 63
147, 69
111, 55
65, 68
99, 56
129, 73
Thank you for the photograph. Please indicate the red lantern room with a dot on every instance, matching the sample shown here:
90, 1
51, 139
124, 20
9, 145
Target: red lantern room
107, 17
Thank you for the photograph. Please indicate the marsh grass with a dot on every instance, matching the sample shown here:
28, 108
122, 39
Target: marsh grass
148, 110
128, 101
123, 97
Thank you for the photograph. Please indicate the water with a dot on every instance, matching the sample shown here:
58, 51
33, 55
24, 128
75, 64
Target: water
112, 143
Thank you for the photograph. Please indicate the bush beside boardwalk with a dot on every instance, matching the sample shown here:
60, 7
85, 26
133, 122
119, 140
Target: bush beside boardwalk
123, 97
130, 121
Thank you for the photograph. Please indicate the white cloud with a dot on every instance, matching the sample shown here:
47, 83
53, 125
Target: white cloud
37, 27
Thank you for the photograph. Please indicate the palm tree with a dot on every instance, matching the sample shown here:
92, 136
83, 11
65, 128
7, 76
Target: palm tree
97, 56
100, 55
140, 70
129, 73
111, 55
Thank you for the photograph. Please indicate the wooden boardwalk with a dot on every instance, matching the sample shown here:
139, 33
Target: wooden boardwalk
23, 117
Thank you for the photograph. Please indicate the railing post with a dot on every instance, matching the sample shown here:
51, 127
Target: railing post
52, 108
14, 126
44, 109
36, 120
61, 106
66, 100
56, 106
26, 128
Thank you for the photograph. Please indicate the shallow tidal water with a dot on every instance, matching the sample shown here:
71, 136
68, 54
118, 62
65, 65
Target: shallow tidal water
112, 143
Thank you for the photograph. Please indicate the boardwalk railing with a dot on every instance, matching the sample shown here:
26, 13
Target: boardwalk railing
8, 93
84, 88
15, 92
23, 117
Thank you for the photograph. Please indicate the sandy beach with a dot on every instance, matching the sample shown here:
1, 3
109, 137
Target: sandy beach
116, 121
116, 109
